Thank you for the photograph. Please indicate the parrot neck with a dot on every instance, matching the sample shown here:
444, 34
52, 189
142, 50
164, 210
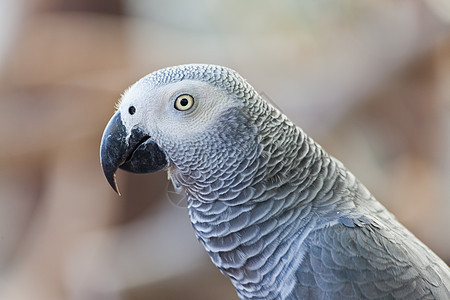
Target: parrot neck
253, 214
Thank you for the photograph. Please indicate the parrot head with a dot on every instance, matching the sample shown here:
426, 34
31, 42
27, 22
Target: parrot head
187, 118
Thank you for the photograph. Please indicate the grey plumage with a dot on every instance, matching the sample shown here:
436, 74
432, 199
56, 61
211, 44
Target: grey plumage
277, 214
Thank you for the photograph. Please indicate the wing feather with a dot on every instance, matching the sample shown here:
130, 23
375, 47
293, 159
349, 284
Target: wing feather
368, 262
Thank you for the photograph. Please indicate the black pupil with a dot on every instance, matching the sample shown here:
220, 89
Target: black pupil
184, 102
131, 110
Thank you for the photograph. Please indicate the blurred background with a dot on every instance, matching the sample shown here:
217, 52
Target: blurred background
369, 80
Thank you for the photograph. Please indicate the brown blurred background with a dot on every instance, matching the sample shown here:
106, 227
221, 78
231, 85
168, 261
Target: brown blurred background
369, 80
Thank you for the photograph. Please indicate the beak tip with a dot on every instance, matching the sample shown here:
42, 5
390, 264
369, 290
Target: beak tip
111, 178
115, 187
111, 151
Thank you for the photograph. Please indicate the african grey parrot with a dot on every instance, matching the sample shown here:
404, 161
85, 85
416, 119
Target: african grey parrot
277, 214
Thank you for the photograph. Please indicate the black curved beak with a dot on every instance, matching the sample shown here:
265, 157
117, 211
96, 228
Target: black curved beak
135, 153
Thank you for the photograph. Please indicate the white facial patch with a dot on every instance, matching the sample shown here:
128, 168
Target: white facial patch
155, 109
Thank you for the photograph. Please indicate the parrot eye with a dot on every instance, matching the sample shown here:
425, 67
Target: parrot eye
184, 102
132, 110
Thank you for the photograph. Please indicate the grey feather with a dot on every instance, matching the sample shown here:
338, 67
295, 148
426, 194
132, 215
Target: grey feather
282, 218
